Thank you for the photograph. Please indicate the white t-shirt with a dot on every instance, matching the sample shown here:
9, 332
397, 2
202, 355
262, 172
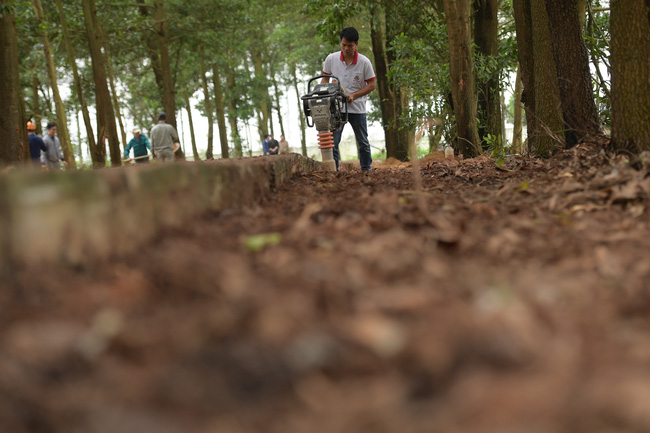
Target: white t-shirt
353, 76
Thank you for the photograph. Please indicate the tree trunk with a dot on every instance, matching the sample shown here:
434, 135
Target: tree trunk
524, 27
462, 81
207, 104
62, 121
188, 107
489, 95
80, 151
550, 125
150, 40
399, 103
169, 100
396, 99
36, 105
260, 125
277, 101
77, 81
232, 113
630, 57
111, 81
573, 76
168, 90
517, 127
381, 70
301, 116
105, 113
262, 91
221, 111
12, 122
436, 128
270, 102
45, 93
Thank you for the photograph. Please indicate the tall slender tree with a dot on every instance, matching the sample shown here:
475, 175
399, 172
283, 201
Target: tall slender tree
524, 28
261, 86
188, 107
72, 61
169, 98
221, 110
400, 135
462, 80
630, 30
12, 119
36, 104
539, 76
517, 129
207, 103
550, 125
232, 111
62, 119
573, 76
105, 113
381, 69
111, 82
150, 39
486, 26
303, 126
276, 98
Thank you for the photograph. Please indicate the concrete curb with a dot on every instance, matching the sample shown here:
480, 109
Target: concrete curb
79, 217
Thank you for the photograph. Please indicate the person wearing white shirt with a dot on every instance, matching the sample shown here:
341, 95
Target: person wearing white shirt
357, 78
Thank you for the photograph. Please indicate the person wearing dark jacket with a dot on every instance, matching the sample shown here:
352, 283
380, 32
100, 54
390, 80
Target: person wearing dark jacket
36, 144
274, 146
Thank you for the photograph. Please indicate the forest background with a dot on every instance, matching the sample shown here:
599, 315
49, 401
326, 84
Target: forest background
582, 68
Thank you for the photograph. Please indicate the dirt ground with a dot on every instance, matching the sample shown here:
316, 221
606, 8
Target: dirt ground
510, 298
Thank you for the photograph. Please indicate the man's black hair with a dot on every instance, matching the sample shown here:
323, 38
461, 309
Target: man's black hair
351, 34
51, 124
162, 116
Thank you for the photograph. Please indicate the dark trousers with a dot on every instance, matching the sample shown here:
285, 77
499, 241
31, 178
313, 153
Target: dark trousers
360, 127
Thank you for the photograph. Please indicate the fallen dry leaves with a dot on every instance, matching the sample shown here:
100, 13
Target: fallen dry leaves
499, 298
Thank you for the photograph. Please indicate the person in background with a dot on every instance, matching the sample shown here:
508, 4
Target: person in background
53, 156
163, 137
358, 79
274, 147
140, 145
265, 145
36, 144
284, 146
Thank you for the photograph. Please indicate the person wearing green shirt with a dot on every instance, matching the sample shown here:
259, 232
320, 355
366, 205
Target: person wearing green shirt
140, 145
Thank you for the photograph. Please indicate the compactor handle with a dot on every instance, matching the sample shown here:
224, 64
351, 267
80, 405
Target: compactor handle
321, 76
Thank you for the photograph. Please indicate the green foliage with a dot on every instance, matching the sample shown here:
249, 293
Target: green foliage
596, 36
421, 152
5, 9
290, 36
495, 148
332, 16
421, 65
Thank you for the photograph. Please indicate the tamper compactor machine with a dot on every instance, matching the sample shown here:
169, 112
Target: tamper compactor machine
326, 108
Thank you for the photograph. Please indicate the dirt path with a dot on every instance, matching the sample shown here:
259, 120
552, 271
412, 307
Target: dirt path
511, 298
